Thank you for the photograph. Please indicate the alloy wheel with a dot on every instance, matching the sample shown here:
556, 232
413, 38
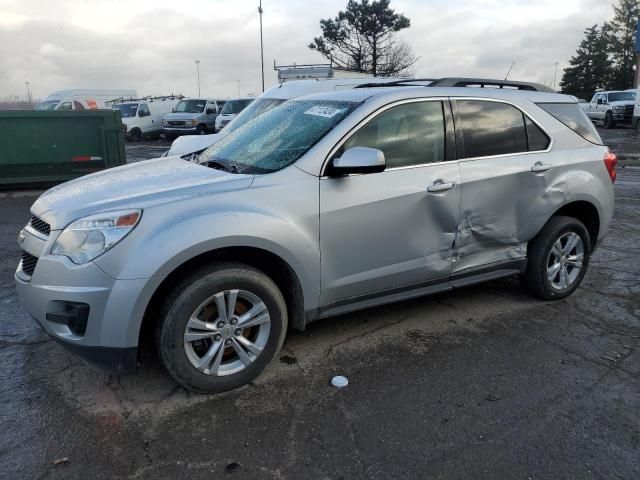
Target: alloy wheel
227, 332
565, 261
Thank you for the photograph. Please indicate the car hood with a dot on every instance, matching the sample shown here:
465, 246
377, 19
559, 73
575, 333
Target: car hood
138, 185
181, 116
190, 144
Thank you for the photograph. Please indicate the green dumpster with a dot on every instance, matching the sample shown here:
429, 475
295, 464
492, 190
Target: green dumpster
43, 147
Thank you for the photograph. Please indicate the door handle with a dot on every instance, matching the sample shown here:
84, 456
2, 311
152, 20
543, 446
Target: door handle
540, 167
439, 186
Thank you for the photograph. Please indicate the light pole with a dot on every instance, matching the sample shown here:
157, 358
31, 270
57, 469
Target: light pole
555, 76
261, 45
198, 75
28, 92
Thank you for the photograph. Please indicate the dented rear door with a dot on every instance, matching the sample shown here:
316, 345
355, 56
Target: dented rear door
505, 171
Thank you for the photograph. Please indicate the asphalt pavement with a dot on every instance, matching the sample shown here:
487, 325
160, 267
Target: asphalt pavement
481, 383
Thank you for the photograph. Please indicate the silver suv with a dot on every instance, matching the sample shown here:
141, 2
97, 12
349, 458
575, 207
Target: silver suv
324, 205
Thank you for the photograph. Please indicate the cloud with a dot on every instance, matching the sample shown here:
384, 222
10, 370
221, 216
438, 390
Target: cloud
151, 46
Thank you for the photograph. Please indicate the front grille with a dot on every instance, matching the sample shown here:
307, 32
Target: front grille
176, 123
28, 263
40, 225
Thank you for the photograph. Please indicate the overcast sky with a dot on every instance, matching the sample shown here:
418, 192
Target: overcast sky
151, 45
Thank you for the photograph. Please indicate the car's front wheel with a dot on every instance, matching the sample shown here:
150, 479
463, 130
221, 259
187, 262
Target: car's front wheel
221, 327
558, 258
609, 121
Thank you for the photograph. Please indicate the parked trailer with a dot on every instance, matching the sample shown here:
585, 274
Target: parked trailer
48, 147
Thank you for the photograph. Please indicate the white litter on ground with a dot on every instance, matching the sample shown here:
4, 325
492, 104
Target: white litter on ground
339, 381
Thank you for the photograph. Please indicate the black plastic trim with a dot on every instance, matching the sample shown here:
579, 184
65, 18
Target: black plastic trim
108, 359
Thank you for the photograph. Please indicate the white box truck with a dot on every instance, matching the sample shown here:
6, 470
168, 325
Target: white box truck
82, 99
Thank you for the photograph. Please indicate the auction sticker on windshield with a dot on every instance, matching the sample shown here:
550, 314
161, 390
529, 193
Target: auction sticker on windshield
321, 111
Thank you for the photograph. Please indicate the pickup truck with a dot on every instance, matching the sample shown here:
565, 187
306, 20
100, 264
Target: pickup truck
611, 108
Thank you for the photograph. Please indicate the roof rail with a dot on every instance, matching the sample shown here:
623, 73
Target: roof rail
461, 82
148, 98
405, 82
490, 83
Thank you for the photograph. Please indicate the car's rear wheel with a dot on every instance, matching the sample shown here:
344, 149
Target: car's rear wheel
609, 122
558, 258
221, 328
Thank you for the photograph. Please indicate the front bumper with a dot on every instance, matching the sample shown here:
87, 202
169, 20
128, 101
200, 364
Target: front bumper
109, 335
180, 130
623, 117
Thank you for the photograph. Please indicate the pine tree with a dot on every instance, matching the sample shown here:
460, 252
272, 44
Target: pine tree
362, 39
590, 67
623, 39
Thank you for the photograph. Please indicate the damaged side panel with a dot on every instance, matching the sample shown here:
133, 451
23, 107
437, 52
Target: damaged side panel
386, 230
504, 204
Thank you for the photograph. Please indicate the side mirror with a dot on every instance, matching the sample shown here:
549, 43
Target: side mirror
358, 160
173, 110
599, 101
210, 111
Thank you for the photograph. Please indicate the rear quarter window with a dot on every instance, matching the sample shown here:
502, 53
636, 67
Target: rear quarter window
573, 117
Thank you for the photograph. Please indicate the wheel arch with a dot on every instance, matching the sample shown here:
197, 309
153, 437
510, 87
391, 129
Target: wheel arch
268, 262
587, 213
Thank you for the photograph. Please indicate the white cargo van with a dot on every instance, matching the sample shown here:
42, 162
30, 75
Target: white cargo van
82, 99
142, 117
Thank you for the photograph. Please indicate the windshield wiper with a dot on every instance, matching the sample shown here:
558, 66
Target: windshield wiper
221, 166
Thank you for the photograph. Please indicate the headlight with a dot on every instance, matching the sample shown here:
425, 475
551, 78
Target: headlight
164, 122
194, 122
89, 237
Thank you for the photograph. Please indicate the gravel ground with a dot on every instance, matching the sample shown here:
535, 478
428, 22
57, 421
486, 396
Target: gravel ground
483, 382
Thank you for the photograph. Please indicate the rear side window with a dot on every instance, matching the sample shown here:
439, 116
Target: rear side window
536, 139
573, 117
491, 128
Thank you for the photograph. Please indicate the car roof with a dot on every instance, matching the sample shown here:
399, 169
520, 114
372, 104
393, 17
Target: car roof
400, 93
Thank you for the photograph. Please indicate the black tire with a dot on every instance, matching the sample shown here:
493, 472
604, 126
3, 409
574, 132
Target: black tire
535, 279
609, 122
202, 130
185, 301
135, 135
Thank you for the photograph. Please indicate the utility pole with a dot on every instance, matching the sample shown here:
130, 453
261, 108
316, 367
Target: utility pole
555, 76
28, 92
261, 44
198, 75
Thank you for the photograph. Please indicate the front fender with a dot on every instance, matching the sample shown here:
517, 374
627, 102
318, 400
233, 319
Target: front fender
165, 241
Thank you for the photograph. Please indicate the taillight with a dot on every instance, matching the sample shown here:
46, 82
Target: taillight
610, 162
